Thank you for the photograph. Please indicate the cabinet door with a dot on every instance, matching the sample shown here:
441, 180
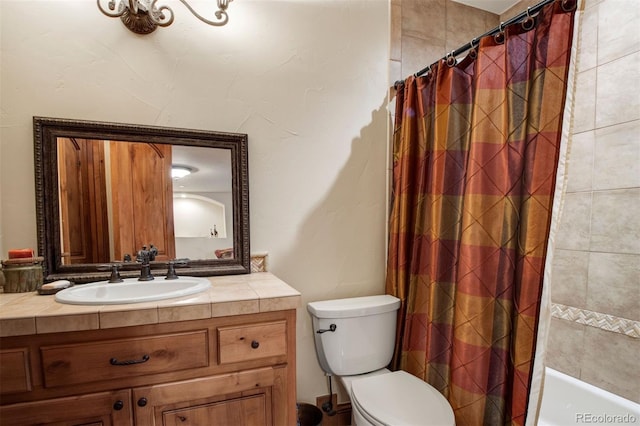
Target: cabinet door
246, 411
105, 408
15, 374
237, 399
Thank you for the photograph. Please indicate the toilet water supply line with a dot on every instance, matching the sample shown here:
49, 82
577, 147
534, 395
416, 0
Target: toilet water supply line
327, 407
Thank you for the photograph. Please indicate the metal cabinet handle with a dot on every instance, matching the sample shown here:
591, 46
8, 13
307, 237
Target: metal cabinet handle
255, 344
118, 405
142, 402
114, 361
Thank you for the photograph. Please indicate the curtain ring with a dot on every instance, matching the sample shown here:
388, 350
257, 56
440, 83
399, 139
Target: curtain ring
451, 60
568, 5
499, 36
473, 53
529, 22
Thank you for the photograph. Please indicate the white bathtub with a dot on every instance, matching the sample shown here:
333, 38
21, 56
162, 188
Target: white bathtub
569, 401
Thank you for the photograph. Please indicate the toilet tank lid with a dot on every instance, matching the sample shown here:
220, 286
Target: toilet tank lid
354, 306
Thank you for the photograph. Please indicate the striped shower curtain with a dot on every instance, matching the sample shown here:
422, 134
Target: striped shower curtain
476, 148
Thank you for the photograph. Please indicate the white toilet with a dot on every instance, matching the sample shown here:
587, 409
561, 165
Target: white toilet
354, 340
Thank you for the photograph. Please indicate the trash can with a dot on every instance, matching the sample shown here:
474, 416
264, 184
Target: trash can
308, 415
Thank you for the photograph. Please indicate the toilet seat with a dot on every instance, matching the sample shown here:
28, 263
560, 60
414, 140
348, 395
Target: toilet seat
400, 398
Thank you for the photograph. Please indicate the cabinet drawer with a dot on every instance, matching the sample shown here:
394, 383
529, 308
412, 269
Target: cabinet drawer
253, 341
86, 410
112, 359
14, 371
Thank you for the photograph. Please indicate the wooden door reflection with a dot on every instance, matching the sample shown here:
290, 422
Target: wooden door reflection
127, 182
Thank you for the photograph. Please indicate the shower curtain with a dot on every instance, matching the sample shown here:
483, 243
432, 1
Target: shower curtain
475, 155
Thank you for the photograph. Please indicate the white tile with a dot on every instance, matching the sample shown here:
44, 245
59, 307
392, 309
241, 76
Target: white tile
569, 277
62, 323
565, 346
580, 162
584, 110
615, 227
617, 156
418, 53
588, 53
614, 284
575, 222
114, 319
617, 97
618, 34
610, 362
423, 19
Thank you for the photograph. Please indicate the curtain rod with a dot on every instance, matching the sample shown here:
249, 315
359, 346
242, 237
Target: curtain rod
521, 16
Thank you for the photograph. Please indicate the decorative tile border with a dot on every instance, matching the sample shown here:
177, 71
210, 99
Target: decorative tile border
596, 319
259, 262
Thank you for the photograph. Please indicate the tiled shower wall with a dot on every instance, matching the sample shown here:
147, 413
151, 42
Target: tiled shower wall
596, 273
423, 31
595, 288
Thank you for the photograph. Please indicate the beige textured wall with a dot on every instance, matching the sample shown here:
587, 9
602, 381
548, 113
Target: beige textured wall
305, 79
597, 262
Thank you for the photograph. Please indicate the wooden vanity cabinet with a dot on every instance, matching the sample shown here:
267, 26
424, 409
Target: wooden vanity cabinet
237, 370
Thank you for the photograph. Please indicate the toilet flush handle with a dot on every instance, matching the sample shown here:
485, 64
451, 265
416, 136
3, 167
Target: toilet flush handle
331, 328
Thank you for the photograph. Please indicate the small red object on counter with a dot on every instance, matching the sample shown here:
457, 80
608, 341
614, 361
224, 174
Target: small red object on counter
20, 253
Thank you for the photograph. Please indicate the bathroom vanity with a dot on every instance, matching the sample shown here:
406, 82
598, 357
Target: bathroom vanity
226, 354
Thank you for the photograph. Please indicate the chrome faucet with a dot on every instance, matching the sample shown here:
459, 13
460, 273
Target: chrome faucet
143, 257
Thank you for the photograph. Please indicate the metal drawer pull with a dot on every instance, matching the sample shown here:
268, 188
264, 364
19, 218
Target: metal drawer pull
255, 344
114, 361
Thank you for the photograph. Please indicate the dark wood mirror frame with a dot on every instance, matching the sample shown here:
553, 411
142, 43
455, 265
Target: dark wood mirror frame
46, 133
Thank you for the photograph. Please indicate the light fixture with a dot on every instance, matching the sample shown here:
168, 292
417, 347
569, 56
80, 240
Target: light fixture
178, 172
143, 16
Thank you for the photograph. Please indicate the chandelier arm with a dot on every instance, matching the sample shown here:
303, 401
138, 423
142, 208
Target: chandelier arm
159, 14
221, 13
144, 16
112, 6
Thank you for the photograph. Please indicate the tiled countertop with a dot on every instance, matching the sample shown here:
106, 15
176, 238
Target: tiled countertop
29, 313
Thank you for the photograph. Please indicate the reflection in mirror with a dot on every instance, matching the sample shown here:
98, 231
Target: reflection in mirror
106, 190
100, 183
203, 203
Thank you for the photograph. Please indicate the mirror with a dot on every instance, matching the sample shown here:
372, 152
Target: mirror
106, 190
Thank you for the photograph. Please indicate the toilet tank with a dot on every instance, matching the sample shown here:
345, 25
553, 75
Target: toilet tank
363, 336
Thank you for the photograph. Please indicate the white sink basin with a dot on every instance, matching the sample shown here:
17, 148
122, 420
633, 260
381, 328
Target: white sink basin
131, 291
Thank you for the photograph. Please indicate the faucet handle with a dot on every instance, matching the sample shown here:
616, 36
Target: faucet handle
115, 272
145, 255
171, 270
153, 252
